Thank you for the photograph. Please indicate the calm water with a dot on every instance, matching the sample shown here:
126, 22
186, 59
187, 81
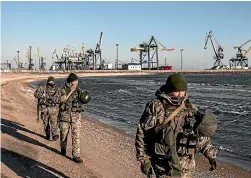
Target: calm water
120, 101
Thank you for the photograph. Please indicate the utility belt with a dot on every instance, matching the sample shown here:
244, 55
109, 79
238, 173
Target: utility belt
51, 104
73, 106
70, 108
48, 103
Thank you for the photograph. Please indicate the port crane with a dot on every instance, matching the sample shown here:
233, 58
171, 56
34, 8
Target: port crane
85, 59
98, 53
17, 61
40, 60
28, 55
146, 48
241, 60
218, 50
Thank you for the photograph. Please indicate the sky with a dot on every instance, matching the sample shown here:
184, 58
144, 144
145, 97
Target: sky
178, 25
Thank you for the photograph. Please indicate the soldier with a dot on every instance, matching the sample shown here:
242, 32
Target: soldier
171, 130
72, 99
48, 106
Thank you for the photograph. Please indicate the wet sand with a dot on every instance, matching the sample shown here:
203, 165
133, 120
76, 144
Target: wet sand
107, 151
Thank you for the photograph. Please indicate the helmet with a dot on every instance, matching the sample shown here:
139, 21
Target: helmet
208, 125
84, 97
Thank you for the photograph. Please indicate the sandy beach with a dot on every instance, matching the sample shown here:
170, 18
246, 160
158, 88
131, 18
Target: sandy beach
107, 152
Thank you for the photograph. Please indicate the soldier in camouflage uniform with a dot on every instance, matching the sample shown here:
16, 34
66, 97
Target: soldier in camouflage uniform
168, 150
70, 115
48, 106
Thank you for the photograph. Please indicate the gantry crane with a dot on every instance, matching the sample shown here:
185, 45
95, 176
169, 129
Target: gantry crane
87, 56
146, 48
54, 53
70, 59
241, 60
19, 64
86, 59
218, 50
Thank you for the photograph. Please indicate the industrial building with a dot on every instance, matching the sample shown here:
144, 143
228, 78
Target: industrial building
131, 66
108, 66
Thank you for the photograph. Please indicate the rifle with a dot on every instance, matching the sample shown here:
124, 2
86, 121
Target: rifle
39, 112
151, 173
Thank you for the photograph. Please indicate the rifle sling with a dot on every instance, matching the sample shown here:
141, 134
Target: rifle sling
68, 96
174, 113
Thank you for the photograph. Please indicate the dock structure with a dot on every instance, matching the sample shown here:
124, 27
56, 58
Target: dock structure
126, 71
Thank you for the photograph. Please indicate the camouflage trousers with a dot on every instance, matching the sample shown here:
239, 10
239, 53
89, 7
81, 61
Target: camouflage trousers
206, 147
70, 120
187, 163
49, 115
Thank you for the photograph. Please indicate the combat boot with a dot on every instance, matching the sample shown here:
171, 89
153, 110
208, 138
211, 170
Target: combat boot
47, 136
77, 160
55, 138
63, 151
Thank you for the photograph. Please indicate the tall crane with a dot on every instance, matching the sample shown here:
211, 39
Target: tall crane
28, 55
146, 48
98, 53
40, 60
241, 60
218, 50
82, 51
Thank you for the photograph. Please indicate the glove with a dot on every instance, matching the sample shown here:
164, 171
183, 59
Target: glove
145, 168
213, 164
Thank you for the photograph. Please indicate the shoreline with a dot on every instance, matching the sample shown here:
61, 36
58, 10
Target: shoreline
110, 134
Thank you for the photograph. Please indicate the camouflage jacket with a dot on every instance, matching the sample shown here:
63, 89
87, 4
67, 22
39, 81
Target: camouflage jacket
73, 103
156, 111
47, 95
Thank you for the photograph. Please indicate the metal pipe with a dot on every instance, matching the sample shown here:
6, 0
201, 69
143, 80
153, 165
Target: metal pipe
18, 63
181, 65
116, 62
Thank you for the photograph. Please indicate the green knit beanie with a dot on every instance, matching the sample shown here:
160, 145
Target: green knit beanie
176, 82
72, 77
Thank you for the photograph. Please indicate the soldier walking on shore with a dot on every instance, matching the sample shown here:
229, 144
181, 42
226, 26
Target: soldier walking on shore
171, 130
48, 106
72, 99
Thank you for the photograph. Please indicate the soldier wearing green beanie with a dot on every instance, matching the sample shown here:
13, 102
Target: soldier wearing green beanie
167, 136
72, 99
